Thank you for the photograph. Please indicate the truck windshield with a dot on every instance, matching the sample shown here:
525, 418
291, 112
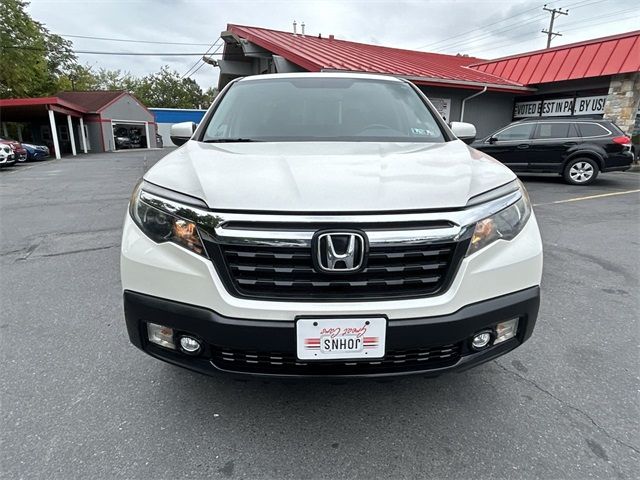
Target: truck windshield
322, 109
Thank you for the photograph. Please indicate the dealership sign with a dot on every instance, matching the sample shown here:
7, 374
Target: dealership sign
560, 107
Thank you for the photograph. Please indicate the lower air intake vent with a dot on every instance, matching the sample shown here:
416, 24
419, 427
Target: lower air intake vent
287, 363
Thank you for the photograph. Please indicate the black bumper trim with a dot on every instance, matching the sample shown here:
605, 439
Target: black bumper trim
256, 335
621, 168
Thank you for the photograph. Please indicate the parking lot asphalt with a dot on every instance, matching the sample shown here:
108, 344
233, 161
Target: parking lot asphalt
78, 401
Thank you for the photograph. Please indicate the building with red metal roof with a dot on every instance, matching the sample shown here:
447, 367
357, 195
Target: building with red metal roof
586, 78
598, 77
600, 74
79, 121
328, 54
92, 101
598, 57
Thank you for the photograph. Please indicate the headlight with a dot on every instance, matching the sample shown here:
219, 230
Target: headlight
161, 226
504, 225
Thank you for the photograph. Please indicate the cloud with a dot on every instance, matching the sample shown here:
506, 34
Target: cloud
499, 27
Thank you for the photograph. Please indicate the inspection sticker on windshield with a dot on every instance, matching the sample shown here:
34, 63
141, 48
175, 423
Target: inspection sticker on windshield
341, 338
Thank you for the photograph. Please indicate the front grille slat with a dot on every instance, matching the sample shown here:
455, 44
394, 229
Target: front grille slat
409, 253
287, 272
337, 283
381, 269
267, 255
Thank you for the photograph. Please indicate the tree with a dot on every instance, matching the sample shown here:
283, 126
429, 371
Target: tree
163, 89
167, 89
32, 57
79, 77
59, 57
36, 62
116, 80
209, 96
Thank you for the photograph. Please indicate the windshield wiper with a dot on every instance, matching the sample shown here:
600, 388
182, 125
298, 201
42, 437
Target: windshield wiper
230, 140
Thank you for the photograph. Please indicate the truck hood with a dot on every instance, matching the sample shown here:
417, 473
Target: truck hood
329, 176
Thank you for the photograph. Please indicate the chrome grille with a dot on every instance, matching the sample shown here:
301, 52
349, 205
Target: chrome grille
287, 272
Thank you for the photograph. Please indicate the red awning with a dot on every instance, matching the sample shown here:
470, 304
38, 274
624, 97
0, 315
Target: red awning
26, 109
593, 58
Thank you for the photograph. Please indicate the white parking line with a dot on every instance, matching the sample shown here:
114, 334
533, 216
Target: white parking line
24, 168
21, 169
578, 199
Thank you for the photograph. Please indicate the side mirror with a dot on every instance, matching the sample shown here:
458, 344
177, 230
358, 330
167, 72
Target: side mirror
182, 132
464, 131
492, 140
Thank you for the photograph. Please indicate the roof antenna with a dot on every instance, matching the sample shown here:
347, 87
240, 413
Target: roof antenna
295, 29
302, 27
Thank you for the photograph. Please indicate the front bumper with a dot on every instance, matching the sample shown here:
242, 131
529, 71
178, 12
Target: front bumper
427, 345
169, 271
37, 155
622, 168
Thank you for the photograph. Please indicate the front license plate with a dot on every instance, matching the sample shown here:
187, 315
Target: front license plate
341, 338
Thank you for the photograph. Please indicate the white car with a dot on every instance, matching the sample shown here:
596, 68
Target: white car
7, 155
328, 224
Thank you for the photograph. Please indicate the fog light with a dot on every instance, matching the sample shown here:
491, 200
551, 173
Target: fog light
190, 345
161, 335
506, 330
481, 340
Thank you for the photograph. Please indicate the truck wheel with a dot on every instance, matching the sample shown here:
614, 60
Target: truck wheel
581, 171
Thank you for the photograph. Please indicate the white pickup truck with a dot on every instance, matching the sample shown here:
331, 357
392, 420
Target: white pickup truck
328, 225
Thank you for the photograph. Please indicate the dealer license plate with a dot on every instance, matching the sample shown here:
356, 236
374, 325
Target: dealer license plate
341, 338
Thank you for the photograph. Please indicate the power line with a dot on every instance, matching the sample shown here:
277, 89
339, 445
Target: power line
598, 18
189, 72
588, 20
133, 41
189, 75
196, 70
488, 34
94, 52
483, 27
511, 42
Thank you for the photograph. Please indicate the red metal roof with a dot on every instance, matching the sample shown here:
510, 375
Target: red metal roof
41, 101
92, 101
317, 54
26, 109
593, 58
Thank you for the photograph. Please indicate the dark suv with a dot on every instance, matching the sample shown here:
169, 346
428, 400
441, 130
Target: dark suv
577, 149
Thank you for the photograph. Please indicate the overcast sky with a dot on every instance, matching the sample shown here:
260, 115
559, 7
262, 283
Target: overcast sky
486, 29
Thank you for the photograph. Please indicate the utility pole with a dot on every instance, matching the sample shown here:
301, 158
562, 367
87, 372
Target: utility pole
550, 33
